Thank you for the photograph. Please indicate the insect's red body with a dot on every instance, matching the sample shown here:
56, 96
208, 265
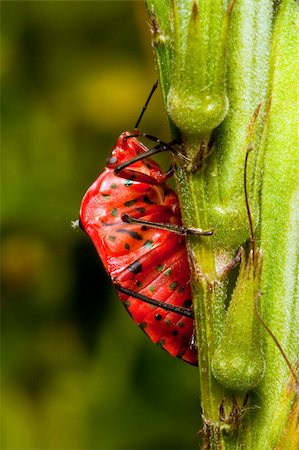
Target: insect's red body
146, 260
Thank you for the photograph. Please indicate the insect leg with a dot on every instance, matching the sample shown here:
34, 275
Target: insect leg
173, 308
165, 146
162, 147
145, 106
167, 226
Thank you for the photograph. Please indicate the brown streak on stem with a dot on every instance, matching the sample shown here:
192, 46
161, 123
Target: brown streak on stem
278, 345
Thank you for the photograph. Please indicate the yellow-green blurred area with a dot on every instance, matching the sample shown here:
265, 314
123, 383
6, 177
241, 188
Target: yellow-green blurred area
77, 373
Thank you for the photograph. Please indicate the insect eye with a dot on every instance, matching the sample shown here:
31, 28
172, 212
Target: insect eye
112, 160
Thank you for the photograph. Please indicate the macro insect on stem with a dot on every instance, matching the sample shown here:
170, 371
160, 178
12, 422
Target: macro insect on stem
134, 221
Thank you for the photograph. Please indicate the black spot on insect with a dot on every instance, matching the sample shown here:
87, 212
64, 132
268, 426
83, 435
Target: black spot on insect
127, 246
106, 195
168, 272
130, 203
128, 183
132, 177
161, 342
140, 209
148, 244
180, 354
173, 285
181, 324
160, 268
187, 303
133, 234
135, 267
144, 228
168, 322
148, 201
143, 325
158, 317
174, 332
148, 165
111, 238
181, 289
114, 212
139, 284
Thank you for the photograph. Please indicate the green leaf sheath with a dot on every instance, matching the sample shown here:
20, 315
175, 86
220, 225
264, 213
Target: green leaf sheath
197, 100
238, 362
279, 227
248, 60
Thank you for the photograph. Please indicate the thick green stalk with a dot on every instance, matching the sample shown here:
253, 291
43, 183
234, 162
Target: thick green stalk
209, 310
213, 60
279, 230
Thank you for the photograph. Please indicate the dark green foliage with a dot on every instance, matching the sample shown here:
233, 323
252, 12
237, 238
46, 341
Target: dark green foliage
75, 371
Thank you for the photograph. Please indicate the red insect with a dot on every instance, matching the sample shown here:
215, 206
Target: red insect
133, 219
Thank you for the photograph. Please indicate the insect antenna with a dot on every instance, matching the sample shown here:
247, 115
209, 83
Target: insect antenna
161, 147
253, 250
278, 345
168, 226
145, 106
252, 239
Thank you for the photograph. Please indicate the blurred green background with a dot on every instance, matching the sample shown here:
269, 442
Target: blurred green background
76, 371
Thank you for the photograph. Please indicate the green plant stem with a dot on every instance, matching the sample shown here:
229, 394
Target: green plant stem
205, 51
279, 230
209, 297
